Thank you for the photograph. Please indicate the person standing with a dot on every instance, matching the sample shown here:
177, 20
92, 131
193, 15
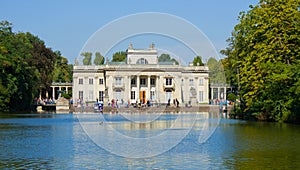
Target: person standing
177, 103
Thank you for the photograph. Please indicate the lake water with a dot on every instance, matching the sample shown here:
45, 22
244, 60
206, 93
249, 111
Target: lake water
116, 141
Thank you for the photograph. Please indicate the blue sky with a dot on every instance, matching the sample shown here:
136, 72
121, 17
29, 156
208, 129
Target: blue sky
66, 25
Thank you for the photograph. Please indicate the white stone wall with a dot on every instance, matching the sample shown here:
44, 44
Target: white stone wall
134, 55
159, 72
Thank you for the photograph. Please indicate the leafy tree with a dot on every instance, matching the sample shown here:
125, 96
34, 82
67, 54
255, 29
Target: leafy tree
198, 61
264, 49
43, 59
167, 58
231, 97
216, 74
99, 59
87, 58
119, 56
230, 68
26, 67
62, 70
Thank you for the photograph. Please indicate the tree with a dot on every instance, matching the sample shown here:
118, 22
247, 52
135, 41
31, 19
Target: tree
62, 70
99, 59
167, 58
119, 56
87, 58
198, 61
216, 72
43, 59
26, 66
264, 49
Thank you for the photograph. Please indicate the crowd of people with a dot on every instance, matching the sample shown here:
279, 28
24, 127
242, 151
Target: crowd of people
218, 101
43, 101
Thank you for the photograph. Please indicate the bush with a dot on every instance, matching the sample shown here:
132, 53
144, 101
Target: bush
231, 97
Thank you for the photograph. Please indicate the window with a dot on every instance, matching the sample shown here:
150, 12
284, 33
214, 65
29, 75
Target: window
118, 80
201, 82
101, 95
168, 95
142, 61
152, 95
80, 81
132, 95
101, 81
133, 81
143, 81
168, 81
152, 81
91, 81
182, 82
91, 95
200, 96
118, 94
193, 92
191, 82
80, 95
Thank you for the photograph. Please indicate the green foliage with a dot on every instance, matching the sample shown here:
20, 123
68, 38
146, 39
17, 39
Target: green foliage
26, 67
198, 61
167, 58
231, 97
67, 95
216, 74
62, 70
230, 71
119, 56
87, 58
99, 59
263, 54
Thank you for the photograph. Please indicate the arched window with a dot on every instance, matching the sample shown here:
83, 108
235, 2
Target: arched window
142, 61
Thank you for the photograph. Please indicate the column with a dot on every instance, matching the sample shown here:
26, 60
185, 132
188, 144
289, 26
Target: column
110, 89
219, 93
66, 89
59, 94
225, 93
149, 88
129, 88
212, 93
53, 92
157, 89
138, 88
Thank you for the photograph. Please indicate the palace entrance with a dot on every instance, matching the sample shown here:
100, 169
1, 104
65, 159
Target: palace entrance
143, 96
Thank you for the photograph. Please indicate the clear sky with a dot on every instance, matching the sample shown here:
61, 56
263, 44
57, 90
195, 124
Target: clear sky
66, 25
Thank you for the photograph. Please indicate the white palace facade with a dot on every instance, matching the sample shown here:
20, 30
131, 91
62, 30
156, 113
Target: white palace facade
141, 78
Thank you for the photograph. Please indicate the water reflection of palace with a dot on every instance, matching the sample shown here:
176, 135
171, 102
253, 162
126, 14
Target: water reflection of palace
177, 122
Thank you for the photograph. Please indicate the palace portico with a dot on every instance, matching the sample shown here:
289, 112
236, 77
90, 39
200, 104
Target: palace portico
57, 87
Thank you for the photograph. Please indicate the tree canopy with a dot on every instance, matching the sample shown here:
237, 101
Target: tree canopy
26, 66
216, 71
119, 56
263, 54
62, 70
167, 58
99, 59
198, 61
87, 60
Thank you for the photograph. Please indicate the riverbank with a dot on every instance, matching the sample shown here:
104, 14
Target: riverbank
160, 109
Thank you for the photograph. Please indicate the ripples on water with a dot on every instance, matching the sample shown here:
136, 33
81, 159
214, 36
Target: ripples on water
57, 141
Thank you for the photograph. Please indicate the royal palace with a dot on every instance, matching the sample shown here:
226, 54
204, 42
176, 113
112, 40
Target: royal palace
141, 78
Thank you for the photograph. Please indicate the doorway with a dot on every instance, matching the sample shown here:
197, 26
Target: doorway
168, 95
143, 96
